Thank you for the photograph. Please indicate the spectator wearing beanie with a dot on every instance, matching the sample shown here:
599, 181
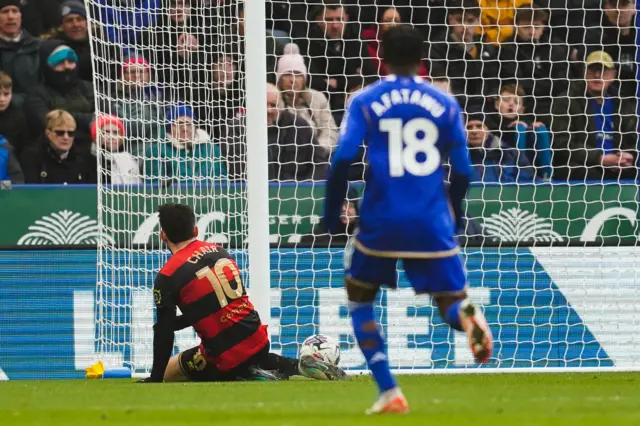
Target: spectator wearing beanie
138, 105
74, 33
187, 154
19, 56
10, 169
118, 166
56, 157
61, 89
305, 102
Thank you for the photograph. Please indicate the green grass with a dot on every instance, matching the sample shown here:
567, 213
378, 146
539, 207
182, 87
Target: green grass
474, 400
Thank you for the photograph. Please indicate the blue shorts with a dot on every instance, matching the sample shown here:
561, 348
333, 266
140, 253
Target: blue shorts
434, 276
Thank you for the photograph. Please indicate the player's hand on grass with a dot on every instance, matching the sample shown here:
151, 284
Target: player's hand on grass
148, 380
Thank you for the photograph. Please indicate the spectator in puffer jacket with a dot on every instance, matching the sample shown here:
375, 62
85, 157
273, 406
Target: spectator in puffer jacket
19, 56
55, 157
61, 89
138, 105
118, 166
187, 154
303, 101
13, 123
492, 159
10, 169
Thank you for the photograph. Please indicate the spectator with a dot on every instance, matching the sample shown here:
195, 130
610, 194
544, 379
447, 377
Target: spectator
493, 160
531, 138
137, 103
226, 97
10, 169
61, 89
497, 18
616, 35
118, 166
187, 154
462, 56
13, 123
40, 16
349, 221
305, 102
536, 61
334, 53
274, 48
387, 18
56, 158
175, 46
293, 153
19, 56
568, 19
74, 33
595, 136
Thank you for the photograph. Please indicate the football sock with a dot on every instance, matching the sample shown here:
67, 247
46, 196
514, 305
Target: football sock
372, 344
452, 316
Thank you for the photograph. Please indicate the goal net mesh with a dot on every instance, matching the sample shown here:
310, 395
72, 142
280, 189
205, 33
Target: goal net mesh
173, 72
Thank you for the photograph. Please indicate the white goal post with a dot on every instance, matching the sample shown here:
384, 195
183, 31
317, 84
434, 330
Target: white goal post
554, 264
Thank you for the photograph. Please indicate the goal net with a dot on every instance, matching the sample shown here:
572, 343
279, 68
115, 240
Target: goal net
550, 237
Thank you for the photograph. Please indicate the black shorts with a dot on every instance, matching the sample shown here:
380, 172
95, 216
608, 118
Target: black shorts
194, 366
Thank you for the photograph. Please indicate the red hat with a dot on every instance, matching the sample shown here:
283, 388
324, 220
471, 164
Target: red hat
102, 121
137, 60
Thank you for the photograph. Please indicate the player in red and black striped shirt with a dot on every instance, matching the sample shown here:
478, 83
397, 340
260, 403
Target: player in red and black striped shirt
203, 280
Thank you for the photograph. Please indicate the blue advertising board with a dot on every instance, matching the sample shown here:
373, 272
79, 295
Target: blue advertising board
546, 307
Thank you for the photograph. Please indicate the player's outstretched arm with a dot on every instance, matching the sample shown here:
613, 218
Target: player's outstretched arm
352, 134
163, 330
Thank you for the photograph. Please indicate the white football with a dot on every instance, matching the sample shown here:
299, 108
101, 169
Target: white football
321, 347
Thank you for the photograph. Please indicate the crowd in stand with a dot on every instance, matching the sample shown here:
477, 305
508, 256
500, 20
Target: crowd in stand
548, 88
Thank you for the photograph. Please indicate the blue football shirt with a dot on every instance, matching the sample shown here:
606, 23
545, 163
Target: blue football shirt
409, 127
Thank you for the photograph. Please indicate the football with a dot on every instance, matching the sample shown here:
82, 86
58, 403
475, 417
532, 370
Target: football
321, 347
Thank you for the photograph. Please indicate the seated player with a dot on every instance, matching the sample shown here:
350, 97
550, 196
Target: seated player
409, 127
204, 281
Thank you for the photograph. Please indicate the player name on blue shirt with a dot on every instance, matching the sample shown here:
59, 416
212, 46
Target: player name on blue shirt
407, 96
409, 127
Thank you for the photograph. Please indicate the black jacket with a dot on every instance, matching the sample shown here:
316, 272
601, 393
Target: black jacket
293, 154
337, 59
574, 141
21, 61
472, 77
622, 49
61, 90
13, 126
41, 164
541, 69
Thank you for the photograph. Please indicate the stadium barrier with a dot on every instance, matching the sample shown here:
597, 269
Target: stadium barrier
549, 308
67, 215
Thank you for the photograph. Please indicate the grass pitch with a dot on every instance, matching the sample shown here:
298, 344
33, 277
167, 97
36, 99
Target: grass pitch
470, 400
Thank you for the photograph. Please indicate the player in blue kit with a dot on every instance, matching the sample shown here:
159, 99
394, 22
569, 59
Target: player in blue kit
409, 127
